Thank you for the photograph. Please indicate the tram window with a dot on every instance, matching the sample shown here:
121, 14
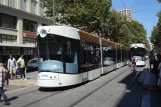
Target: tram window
51, 47
109, 56
90, 56
71, 50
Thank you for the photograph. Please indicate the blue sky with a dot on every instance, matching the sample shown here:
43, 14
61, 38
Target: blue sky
147, 17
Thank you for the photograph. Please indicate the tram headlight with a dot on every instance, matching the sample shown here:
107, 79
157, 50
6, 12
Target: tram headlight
43, 33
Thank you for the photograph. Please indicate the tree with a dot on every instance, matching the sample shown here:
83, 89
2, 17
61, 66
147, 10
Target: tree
83, 14
156, 32
159, 1
95, 16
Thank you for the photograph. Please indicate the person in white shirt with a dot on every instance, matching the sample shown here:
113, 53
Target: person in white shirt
11, 65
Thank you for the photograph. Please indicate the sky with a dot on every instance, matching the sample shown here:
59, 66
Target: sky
147, 17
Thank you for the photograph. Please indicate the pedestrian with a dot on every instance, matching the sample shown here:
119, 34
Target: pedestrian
2, 82
11, 65
151, 59
21, 64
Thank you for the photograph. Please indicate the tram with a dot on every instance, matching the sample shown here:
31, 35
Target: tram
68, 56
139, 51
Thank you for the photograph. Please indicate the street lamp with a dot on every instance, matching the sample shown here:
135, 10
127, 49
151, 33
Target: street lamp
54, 13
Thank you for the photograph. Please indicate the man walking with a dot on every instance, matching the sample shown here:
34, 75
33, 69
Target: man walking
11, 65
21, 64
2, 82
151, 59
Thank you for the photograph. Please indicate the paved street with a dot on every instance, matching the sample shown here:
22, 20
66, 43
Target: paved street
118, 88
18, 84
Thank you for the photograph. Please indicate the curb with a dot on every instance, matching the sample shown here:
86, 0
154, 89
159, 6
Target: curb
24, 83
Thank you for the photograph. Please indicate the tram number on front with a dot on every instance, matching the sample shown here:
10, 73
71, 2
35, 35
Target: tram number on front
43, 75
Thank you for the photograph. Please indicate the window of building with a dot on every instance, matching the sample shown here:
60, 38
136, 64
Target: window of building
1, 1
33, 6
28, 40
29, 51
7, 21
8, 39
29, 25
41, 9
11, 50
23, 5
11, 3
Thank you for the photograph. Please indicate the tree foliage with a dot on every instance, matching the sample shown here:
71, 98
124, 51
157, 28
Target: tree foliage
156, 34
95, 16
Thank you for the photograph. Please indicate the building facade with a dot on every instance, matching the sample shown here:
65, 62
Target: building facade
19, 20
126, 12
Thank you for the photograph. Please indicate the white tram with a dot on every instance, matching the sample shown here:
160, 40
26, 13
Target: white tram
139, 51
68, 56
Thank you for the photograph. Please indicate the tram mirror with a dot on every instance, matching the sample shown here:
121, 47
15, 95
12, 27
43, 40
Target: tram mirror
43, 33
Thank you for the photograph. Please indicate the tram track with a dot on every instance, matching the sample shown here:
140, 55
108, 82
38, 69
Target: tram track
92, 92
128, 86
27, 105
58, 92
34, 91
77, 101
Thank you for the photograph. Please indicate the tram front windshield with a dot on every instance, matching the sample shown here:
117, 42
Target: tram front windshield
50, 47
139, 53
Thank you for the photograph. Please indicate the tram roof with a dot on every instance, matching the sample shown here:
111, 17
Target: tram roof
107, 42
85, 36
65, 31
74, 33
138, 45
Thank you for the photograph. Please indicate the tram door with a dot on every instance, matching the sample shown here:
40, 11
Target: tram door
84, 60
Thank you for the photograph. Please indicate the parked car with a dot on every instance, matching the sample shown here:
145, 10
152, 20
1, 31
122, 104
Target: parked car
32, 65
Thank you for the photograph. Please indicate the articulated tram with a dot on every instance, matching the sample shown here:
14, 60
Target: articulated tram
68, 56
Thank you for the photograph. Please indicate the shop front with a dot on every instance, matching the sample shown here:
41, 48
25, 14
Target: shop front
16, 52
8, 46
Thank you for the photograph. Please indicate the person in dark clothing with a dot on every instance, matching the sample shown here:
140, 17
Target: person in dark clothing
156, 70
155, 64
151, 59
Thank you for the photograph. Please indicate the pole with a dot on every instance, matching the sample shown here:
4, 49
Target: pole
54, 12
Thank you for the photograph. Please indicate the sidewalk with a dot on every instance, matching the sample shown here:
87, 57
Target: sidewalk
19, 84
150, 98
22, 83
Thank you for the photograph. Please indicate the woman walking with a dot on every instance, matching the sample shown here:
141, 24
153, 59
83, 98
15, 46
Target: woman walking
2, 82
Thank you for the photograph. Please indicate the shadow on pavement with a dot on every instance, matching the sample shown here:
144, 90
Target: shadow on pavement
12, 98
132, 95
61, 88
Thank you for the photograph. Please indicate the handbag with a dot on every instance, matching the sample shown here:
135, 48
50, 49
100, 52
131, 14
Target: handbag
18, 72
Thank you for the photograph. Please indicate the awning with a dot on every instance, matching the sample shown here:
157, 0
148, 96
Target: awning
89, 37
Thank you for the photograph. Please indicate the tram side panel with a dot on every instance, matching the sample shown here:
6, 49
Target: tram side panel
119, 62
124, 57
109, 59
90, 60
